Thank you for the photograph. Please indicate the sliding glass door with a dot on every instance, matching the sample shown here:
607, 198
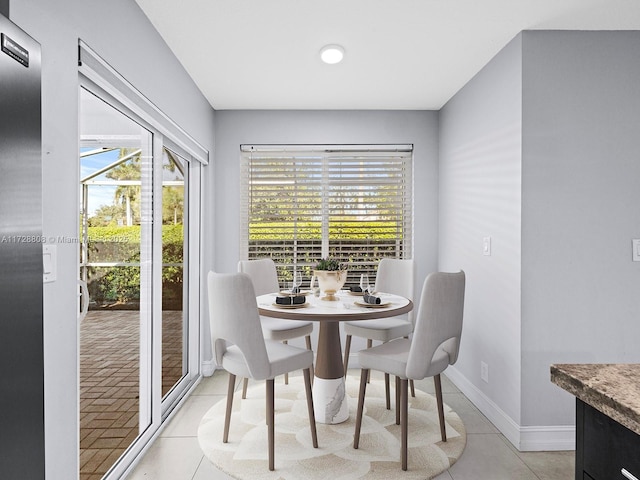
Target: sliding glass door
139, 338
175, 308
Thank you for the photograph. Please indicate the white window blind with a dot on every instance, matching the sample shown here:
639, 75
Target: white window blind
302, 203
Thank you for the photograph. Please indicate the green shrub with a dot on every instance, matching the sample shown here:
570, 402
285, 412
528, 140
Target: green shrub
121, 284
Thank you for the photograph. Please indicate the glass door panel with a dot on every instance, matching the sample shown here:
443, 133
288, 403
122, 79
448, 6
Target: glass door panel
116, 165
174, 287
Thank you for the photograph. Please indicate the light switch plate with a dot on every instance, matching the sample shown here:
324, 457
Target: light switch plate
486, 246
49, 263
484, 372
636, 249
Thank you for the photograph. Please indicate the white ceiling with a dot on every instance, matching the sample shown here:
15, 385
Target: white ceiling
400, 54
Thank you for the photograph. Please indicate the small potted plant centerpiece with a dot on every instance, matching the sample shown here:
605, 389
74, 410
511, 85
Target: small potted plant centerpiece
331, 276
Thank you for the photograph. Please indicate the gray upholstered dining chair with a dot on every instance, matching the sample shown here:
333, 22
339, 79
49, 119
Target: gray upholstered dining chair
434, 346
240, 348
265, 280
393, 276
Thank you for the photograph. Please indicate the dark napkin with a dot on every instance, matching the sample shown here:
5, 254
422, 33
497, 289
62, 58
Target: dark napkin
371, 299
356, 289
289, 300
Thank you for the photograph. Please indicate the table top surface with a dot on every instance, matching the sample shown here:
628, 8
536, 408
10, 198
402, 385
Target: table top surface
347, 307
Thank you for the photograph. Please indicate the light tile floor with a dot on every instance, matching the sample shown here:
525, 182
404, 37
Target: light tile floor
488, 455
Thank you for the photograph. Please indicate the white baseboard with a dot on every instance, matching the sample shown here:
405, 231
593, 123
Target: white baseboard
525, 439
547, 438
207, 367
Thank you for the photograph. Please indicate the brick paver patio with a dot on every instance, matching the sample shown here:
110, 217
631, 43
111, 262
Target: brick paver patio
109, 383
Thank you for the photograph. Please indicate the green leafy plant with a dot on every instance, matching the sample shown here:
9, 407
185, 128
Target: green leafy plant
120, 285
329, 264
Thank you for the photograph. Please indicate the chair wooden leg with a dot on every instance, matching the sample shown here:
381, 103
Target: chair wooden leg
347, 348
397, 400
387, 390
312, 415
245, 384
369, 345
227, 415
404, 407
364, 374
286, 375
270, 422
309, 347
438, 385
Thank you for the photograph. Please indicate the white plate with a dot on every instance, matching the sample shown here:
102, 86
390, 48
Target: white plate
298, 305
299, 294
372, 305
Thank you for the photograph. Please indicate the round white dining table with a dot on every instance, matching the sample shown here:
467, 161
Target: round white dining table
329, 399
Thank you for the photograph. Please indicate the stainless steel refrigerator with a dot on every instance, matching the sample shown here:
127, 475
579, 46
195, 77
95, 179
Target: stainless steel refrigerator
21, 317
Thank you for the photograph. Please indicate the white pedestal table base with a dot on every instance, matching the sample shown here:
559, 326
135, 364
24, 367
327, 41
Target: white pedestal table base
330, 401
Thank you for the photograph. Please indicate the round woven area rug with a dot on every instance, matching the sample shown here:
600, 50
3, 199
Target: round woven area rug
245, 456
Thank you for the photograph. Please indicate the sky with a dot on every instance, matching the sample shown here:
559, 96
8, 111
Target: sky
98, 195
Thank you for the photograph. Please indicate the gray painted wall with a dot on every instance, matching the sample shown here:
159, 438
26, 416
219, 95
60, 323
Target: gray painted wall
580, 209
480, 169
123, 36
540, 151
234, 128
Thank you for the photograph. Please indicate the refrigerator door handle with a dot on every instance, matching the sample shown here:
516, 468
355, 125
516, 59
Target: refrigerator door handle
84, 300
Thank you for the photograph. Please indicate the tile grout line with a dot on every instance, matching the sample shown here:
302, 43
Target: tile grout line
510, 446
197, 467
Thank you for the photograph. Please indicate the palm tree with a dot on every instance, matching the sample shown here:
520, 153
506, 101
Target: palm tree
172, 196
127, 195
172, 204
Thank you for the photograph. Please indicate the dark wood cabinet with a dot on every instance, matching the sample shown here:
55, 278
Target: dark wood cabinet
604, 447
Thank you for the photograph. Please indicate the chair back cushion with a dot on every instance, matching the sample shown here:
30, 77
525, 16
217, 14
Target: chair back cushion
397, 277
438, 328
233, 314
263, 274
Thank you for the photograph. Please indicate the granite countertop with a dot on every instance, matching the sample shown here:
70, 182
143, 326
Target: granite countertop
613, 389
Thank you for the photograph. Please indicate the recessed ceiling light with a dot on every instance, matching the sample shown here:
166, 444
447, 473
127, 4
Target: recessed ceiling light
332, 54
